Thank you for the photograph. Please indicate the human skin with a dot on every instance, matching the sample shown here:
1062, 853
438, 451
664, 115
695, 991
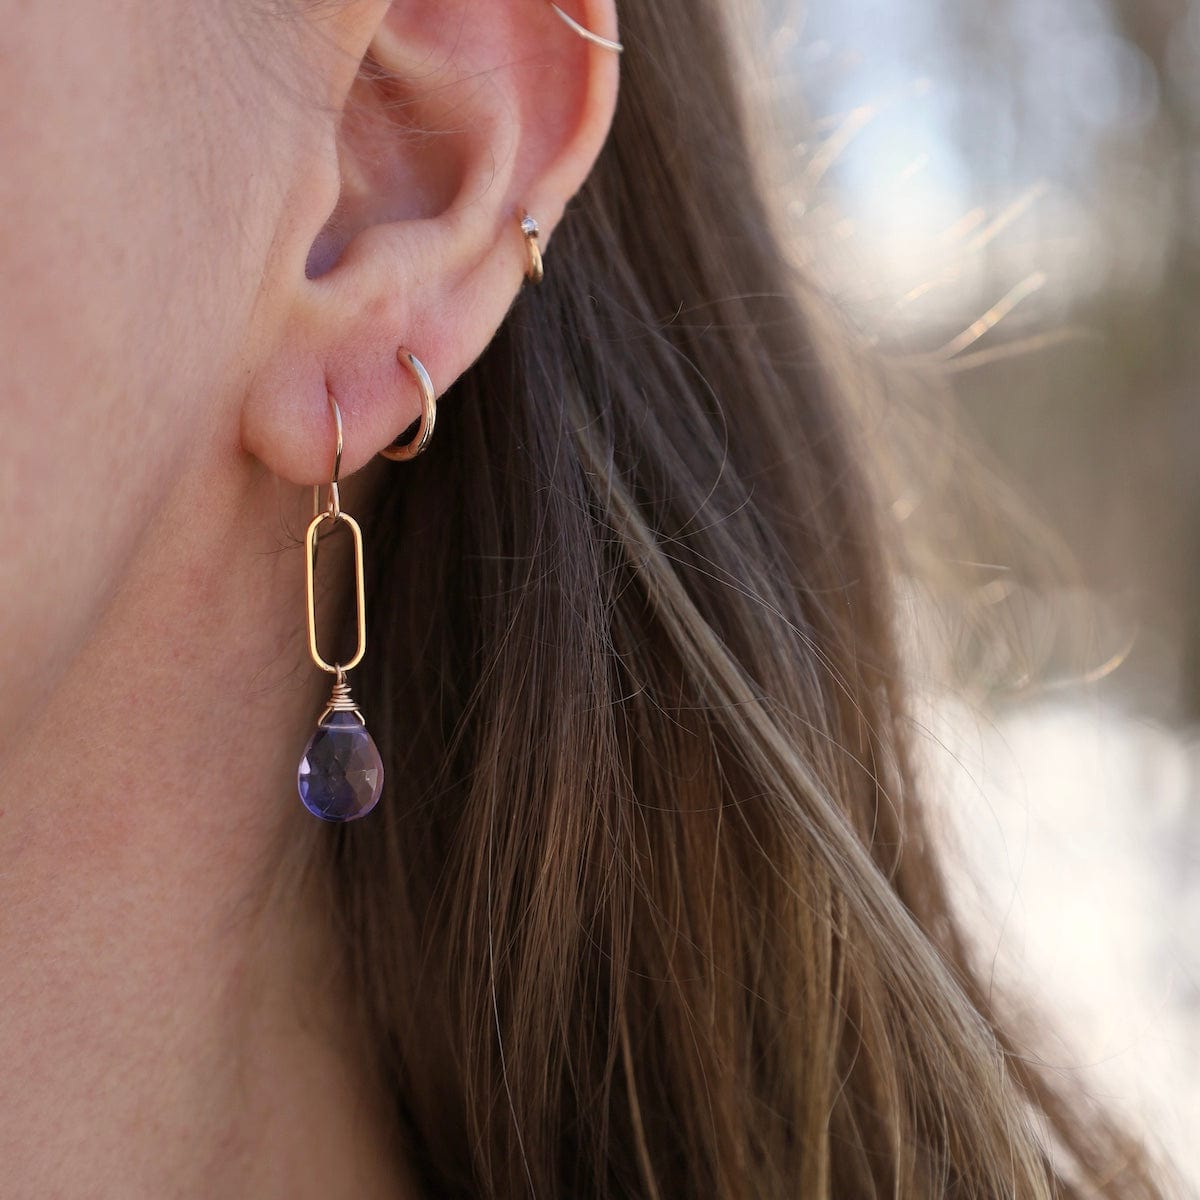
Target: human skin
170, 1022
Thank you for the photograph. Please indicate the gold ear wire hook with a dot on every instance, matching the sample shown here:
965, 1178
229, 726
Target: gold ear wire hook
335, 500
333, 512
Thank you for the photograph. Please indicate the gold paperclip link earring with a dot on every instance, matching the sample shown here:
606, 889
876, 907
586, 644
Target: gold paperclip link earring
340, 777
404, 452
585, 33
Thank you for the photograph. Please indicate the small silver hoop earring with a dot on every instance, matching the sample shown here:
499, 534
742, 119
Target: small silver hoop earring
406, 451
585, 33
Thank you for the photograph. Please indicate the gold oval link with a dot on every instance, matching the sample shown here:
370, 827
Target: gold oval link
360, 601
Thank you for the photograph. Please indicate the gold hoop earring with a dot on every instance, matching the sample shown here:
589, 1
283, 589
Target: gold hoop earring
340, 777
534, 271
585, 33
406, 451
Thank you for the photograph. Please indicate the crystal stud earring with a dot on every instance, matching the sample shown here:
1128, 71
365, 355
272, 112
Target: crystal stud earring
534, 270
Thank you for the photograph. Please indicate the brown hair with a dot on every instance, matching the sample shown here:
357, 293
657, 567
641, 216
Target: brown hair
650, 910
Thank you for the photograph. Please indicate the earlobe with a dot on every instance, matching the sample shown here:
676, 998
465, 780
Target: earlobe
464, 114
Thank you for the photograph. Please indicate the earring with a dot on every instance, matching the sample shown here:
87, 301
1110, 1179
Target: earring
341, 774
585, 33
404, 452
530, 228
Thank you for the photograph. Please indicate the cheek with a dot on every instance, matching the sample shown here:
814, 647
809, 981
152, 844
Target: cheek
140, 217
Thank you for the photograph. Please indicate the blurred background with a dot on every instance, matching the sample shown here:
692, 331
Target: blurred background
1007, 193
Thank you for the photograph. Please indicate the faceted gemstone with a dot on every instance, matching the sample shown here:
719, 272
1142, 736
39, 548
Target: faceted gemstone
341, 773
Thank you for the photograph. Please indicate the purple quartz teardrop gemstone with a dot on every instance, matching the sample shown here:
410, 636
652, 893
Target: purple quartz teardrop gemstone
341, 773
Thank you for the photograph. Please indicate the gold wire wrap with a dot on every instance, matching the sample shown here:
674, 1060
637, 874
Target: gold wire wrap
341, 700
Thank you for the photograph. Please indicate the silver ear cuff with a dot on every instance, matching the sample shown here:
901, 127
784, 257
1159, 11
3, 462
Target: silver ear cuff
585, 33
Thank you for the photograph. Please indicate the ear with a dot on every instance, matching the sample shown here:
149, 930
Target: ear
451, 117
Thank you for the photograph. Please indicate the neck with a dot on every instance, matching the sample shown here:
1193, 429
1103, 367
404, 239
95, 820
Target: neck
170, 1001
